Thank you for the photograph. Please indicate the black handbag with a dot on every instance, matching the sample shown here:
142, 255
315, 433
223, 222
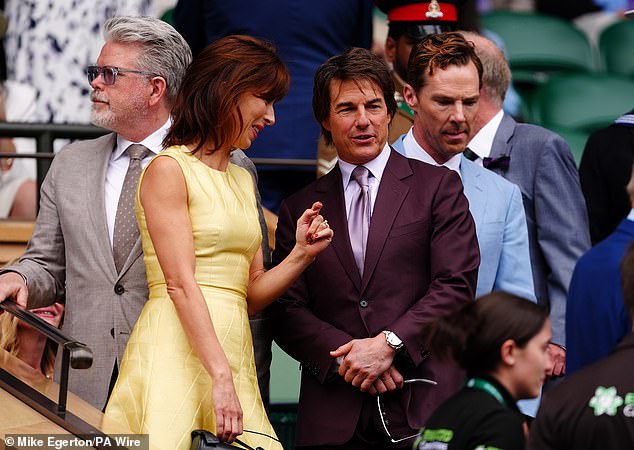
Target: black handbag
206, 440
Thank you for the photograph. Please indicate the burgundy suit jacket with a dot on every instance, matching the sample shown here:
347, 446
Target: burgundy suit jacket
421, 262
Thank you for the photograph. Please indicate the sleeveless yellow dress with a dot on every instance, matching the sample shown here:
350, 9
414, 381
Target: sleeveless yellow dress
163, 390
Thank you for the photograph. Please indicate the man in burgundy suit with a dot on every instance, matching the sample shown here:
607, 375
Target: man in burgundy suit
405, 252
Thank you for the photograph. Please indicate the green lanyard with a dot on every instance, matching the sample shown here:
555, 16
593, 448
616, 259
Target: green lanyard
484, 385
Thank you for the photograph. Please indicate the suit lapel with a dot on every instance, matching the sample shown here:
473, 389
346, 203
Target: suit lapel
390, 197
95, 182
330, 189
502, 136
473, 189
135, 253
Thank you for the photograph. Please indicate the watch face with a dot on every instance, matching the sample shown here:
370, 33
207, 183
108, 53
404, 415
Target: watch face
393, 339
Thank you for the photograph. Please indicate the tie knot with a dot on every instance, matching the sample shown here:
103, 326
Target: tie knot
360, 174
137, 151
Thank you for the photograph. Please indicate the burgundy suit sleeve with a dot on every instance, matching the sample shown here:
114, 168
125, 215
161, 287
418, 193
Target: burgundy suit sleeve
298, 331
454, 262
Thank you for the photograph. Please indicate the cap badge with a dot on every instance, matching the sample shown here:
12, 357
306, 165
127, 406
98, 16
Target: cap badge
433, 11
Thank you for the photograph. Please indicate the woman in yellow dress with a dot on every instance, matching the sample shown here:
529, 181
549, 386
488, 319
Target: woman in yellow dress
189, 361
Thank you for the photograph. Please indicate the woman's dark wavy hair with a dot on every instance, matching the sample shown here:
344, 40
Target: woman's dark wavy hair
474, 334
206, 114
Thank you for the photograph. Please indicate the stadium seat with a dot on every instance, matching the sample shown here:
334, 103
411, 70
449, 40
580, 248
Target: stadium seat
616, 48
538, 45
575, 105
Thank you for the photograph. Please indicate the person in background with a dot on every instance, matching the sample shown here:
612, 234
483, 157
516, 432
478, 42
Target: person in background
596, 318
17, 185
306, 34
17, 175
540, 163
593, 409
50, 43
409, 21
27, 343
604, 172
189, 362
501, 342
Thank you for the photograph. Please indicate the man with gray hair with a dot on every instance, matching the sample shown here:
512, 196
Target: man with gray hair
85, 249
541, 164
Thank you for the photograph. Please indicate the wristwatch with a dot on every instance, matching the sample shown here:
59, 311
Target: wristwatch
393, 340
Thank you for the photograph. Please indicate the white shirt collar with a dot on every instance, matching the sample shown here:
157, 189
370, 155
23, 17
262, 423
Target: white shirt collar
413, 150
482, 142
376, 166
154, 141
630, 216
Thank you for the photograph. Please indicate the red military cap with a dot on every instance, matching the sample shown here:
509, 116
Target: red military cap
418, 19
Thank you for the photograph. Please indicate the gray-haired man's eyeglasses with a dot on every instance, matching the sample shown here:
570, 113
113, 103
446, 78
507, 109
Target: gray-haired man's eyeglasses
109, 73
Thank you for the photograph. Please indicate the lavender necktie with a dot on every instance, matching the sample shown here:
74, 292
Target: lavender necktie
359, 219
126, 229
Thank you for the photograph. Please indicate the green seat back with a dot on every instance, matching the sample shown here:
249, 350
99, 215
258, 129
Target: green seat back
584, 102
616, 48
575, 105
538, 45
168, 16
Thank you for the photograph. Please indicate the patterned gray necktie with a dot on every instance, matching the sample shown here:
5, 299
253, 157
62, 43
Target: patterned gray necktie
359, 219
126, 229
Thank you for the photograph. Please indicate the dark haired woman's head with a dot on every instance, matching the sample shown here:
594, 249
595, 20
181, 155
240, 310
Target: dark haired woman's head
225, 79
498, 331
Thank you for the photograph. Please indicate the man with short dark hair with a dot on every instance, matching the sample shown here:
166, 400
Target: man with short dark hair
406, 253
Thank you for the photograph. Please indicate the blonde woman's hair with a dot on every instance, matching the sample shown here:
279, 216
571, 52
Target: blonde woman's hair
9, 341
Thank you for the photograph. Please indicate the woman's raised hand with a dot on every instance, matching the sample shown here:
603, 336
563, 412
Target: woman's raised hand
313, 233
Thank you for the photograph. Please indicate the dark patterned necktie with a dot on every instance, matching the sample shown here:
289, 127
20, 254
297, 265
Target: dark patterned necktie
359, 219
126, 229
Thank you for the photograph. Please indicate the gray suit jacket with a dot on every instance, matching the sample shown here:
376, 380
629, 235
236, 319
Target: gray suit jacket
69, 257
543, 167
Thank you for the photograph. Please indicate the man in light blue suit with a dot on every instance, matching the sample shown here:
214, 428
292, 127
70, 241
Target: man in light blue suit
445, 102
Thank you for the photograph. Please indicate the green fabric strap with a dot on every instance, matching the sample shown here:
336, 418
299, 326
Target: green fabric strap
484, 385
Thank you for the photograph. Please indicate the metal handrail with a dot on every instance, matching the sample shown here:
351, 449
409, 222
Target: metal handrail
74, 353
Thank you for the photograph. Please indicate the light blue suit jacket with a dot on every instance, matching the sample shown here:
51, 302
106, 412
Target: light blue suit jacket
498, 212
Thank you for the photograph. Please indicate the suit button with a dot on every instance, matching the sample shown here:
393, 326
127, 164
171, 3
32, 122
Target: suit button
118, 289
363, 303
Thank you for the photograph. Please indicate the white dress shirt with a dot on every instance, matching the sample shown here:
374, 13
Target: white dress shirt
413, 150
482, 142
630, 216
118, 167
351, 187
